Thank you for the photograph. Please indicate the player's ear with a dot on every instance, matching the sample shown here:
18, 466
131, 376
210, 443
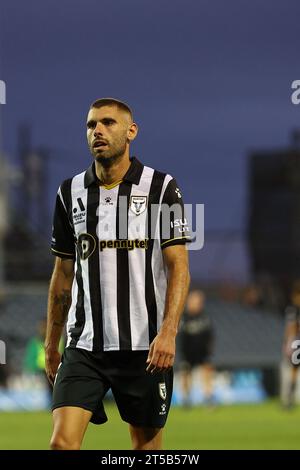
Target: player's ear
132, 131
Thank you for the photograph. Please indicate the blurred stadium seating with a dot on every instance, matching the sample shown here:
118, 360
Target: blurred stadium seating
246, 336
21, 310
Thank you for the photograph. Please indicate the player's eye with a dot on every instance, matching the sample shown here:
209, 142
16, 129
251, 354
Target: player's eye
108, 122
90, 125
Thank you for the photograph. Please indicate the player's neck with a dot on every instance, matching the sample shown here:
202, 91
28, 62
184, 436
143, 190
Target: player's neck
114, 173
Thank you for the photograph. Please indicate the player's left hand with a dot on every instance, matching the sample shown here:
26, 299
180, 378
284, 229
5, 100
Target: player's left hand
161, 353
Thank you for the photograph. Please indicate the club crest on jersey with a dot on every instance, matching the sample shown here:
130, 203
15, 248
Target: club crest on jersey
138, 204
162, 390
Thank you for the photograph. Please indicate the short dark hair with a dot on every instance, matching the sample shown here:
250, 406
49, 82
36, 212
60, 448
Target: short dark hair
112, 102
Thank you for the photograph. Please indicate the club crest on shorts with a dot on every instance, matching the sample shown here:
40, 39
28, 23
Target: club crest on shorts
162, 390
138, 204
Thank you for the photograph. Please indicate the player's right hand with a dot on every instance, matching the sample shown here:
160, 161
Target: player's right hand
161, 353
52, 361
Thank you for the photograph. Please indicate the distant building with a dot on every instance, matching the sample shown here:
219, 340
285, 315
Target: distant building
25, 240
274, 214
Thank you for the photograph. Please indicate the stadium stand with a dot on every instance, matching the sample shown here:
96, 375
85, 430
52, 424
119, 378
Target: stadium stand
245, 336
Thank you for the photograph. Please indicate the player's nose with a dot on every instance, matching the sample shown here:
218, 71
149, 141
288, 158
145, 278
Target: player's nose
98, 129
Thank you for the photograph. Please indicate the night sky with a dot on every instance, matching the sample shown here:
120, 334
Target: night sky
208, 81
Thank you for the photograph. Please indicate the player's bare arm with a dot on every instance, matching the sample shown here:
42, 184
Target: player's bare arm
162, 349
59, 301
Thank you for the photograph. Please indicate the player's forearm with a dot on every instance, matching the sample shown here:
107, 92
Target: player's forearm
177, 289
59, 301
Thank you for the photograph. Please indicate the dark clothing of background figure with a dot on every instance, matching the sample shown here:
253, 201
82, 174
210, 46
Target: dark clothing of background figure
197, 338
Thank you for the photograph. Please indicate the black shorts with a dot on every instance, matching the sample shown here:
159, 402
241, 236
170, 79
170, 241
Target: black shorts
197, 359
196, 350
84, 377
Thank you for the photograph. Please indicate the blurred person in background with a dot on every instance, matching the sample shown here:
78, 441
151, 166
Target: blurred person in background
34, 358
291, 334
197, 340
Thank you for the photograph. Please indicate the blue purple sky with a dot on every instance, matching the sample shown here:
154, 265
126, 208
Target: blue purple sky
208, 81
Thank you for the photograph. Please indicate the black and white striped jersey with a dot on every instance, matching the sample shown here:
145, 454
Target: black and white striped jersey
116, 235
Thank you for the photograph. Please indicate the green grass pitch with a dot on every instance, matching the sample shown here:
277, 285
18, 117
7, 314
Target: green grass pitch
263, 426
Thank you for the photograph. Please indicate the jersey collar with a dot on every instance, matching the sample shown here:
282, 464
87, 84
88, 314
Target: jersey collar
133, 174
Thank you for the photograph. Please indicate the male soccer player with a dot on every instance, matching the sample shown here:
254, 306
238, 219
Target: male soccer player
121, 280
